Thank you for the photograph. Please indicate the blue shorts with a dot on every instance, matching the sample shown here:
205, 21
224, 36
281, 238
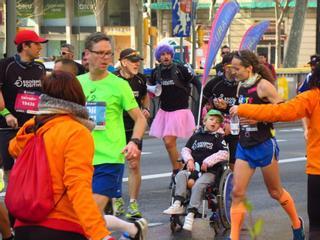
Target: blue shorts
107, 180
259, 155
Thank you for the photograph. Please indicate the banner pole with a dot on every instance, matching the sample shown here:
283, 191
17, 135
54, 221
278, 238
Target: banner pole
200, 109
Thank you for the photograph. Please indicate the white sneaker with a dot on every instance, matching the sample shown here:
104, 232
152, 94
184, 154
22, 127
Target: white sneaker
174, 209
188, 222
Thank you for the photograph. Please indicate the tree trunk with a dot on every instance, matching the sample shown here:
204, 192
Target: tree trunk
278, 39
292, 52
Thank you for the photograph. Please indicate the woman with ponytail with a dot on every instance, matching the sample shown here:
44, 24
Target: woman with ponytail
257, 146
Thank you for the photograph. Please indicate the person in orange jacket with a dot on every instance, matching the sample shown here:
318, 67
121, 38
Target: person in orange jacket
70, 148
306, 104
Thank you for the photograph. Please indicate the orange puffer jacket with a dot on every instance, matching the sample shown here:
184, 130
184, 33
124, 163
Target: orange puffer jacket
306, 104
70, 149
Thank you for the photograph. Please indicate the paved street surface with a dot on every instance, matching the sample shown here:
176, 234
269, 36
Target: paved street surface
155, 195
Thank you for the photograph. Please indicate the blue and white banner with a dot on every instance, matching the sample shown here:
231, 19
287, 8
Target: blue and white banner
253, 35
181, 18
222, 20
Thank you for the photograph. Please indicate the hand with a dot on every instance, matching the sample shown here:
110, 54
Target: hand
146, 113
132, 154
11, 121
219, 103
233, 110
204, 167
246, 121
190, 165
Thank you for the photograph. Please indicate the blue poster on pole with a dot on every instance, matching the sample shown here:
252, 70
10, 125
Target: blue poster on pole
181, 18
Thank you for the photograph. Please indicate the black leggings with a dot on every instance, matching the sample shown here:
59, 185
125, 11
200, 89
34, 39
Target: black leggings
314, 206
41, 233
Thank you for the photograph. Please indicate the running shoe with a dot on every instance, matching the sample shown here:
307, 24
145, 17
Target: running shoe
298, 234
1, 180
133, 211
188, 222
142, 226
118, 207
175, 208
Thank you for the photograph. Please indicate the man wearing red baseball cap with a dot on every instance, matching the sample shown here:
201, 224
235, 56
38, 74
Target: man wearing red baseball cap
20, 81
28, 36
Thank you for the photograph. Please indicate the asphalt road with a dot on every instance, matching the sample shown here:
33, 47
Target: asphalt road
155, 195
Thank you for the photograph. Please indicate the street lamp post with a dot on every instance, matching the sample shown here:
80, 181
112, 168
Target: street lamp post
11, 26
194, 35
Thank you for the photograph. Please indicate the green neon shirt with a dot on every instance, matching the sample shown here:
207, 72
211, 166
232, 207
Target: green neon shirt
118, 96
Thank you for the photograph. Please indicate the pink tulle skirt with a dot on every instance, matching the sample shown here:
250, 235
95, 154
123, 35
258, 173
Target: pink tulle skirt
178, 123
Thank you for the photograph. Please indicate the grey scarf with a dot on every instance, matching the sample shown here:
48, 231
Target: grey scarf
50, 105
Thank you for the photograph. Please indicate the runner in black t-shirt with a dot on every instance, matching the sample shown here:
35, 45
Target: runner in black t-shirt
174, 119
130, 61
17, 74
220, 93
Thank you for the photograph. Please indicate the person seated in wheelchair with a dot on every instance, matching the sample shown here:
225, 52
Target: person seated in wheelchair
207, 148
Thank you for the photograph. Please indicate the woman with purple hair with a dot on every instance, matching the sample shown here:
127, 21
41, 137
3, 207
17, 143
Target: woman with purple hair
173, 119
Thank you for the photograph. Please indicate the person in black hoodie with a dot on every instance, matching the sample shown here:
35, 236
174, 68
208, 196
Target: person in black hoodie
220, 93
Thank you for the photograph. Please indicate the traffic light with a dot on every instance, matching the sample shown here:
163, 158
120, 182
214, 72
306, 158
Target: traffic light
146, 24
200, 33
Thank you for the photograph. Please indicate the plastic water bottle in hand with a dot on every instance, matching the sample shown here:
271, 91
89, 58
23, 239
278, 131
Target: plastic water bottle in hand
235, 125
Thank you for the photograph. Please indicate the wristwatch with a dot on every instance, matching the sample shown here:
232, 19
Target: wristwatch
138, 142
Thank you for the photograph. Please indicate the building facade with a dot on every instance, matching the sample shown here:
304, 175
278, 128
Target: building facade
72, 20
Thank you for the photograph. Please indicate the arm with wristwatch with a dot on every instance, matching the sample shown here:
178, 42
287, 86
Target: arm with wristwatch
132, 150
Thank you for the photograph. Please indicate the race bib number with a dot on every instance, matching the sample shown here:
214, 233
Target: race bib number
97, 113
27, 102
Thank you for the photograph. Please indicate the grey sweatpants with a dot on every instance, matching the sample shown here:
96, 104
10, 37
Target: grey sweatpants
197, 192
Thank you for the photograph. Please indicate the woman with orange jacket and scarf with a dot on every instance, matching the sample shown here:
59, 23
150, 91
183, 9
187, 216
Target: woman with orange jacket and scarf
69, 147
306, 104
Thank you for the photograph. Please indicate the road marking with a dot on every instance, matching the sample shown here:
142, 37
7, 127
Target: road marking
146, 153
155, 224
291, 130
290, 160
168, 174
282, 140
163, 175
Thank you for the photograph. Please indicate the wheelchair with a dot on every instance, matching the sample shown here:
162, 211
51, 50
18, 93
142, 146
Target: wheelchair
218, 198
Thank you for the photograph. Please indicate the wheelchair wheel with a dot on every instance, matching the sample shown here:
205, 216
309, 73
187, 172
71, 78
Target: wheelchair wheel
224, 204
176, 223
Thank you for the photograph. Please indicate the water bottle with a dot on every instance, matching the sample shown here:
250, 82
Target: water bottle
235, 125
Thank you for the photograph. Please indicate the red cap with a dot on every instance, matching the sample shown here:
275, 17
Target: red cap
28, 35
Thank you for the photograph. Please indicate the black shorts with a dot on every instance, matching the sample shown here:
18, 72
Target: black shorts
5, 137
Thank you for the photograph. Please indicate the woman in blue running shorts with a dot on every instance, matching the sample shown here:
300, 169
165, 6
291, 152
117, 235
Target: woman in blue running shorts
257, 147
